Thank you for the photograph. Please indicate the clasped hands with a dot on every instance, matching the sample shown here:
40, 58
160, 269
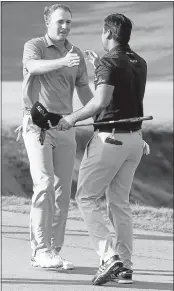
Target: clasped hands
66, 122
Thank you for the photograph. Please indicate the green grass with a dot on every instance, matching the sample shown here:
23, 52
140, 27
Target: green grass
153, 183
147, 218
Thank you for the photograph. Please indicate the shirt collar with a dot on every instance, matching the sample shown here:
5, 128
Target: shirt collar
119, 48
49, 43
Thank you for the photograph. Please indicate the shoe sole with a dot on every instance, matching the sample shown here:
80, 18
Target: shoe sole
68, 268
35, 265
125, 281
122, 281
105, 276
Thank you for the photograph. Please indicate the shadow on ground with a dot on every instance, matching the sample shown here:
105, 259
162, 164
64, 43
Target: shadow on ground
137, 284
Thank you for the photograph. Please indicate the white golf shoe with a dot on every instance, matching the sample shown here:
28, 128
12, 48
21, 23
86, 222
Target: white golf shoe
66, 265
46, 260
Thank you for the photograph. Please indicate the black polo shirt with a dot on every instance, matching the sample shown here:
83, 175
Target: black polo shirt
126, 71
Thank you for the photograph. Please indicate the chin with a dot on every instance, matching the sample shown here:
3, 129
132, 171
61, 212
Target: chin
61, 37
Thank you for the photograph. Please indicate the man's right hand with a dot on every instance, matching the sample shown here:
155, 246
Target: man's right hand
71, 59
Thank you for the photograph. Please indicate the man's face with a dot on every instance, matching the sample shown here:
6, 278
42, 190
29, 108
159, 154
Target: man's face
59, 25
105, 40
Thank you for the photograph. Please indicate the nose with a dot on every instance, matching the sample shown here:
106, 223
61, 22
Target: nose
64, 25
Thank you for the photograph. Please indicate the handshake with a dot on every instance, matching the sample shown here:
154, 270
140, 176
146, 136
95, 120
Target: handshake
72, 58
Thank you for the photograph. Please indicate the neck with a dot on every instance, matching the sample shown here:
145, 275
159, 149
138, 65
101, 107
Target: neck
59, 43
112, 44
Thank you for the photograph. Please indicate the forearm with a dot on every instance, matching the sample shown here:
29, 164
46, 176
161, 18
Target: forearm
101, 100
85, 94
38, 67
90, 110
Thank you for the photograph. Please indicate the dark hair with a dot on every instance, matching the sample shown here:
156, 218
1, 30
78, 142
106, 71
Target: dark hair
120, 27
50, 9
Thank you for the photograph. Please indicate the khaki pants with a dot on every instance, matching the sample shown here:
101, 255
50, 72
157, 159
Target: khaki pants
109, 169
51, 167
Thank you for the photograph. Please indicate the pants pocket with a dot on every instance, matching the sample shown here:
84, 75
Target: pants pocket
28, 125
140, 133
92, 138
87, 146
25, 124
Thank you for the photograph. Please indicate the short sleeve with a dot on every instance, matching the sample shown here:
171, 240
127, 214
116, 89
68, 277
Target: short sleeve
105, 73
31, 51
82, 75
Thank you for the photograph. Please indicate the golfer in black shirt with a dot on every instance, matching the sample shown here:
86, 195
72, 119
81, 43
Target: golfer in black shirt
114, 152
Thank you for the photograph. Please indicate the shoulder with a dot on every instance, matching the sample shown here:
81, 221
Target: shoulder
107, 62
75, 48
139, 58
78, 51
143, 61
38, 42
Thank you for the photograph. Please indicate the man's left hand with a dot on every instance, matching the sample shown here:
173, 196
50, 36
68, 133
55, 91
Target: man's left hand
66, 123
92, 57
146, 149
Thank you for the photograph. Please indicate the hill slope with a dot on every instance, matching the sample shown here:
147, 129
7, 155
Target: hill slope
153, 183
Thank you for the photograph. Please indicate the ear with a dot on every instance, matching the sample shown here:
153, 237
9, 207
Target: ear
46, 23
109, 35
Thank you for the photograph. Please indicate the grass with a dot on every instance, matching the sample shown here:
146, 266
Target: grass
143, 216
153, 183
